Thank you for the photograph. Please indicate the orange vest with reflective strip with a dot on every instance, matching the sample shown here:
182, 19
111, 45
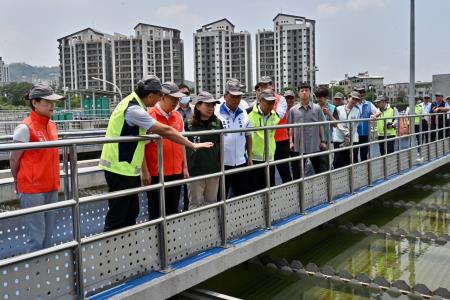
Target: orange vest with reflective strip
39, 168
173, 152
281, 134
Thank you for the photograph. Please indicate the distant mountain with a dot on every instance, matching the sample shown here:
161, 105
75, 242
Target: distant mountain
22, 72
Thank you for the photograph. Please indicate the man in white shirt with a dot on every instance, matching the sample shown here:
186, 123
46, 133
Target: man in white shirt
237, 146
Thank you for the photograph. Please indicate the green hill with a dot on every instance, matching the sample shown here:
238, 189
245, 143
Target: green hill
22, 72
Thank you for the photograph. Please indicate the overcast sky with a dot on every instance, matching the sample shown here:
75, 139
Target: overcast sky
351, 35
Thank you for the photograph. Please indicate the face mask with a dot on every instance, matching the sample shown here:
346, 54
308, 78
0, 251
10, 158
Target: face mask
185, 100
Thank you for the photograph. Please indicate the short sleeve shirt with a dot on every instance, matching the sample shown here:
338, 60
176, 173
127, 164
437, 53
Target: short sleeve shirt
21, 134
137, 116
311, 134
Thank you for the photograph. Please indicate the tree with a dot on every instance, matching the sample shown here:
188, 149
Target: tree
401, 97
14, 93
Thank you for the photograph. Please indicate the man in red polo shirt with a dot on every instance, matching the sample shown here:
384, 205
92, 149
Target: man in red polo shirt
36, 171
175, 165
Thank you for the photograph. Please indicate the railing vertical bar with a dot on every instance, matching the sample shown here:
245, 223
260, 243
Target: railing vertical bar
223, 191
162, 209
352, 160
399, 140
385, 163
76, 216
369, 153
267, 173
66, 174
330, 166
302, 173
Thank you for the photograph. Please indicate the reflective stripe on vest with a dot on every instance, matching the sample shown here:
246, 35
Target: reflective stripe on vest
390, 114
39, 168
257, 120
124, 159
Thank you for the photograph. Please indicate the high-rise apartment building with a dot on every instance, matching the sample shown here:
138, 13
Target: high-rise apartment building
152, 50
83, 55
287, 53
4, 71
220, 53
120, 59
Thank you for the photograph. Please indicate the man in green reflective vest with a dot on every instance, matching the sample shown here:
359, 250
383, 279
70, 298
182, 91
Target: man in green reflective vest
391, 124
122, 162
262, 114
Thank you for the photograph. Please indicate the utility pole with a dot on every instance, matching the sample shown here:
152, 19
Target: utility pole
412, 70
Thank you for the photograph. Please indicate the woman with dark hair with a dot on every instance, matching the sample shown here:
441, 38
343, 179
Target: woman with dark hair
36, 171
204, 161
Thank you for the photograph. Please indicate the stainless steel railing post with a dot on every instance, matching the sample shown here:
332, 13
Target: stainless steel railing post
352, 160
302, 172
385, 164
267, 173
76, 216
223, 191
162, 209
66, 174
330, 166
369, 153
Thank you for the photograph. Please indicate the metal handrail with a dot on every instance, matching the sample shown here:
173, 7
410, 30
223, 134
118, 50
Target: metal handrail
75, 202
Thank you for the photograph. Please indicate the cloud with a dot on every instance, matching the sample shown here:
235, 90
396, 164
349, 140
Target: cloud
332, 8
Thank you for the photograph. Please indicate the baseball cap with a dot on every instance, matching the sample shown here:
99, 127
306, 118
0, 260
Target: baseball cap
233, 86
265, 79
150, 83
43, 91
439, 94
360, 90
171, 89
338, 95
380, 98
205, 97
355, 95
447, 98
289, 93
426, 96
268, 95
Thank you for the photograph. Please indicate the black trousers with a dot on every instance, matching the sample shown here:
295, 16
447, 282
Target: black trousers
239, 182
341, 158
122, 211
418, 136
390, 145
282, 152
258, 177
320, 164
425, 126
171, 195
363, 151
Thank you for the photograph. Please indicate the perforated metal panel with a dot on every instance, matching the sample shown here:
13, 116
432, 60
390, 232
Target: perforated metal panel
446, 145
340, 182
284, 201
190, 234
316, 191
246, 215
111, 260
433, 151
13, 231
404, 159
424, 152
392, 167
440, 148
47, 277
377, 169
361, 175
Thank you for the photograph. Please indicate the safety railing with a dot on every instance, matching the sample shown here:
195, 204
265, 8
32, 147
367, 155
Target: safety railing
82, 263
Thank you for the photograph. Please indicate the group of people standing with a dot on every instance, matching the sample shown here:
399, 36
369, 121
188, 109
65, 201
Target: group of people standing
169, 110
